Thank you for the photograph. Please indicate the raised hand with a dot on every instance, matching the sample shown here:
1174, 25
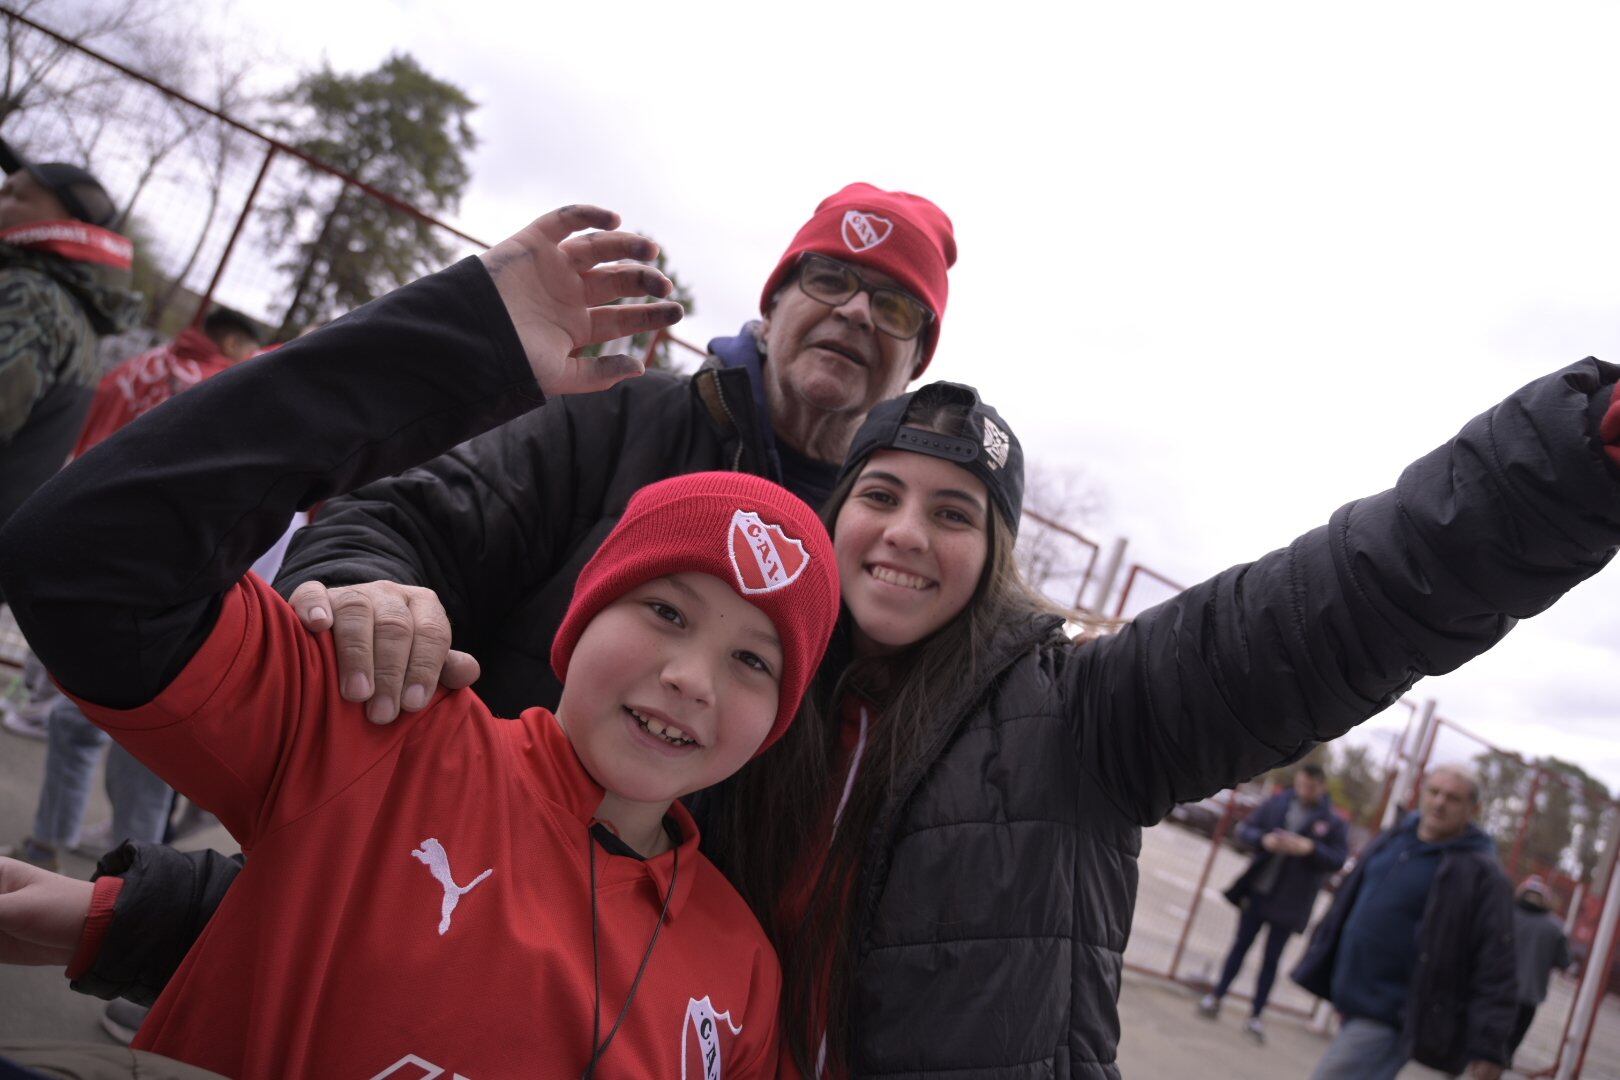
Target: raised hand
41, 914
559, 295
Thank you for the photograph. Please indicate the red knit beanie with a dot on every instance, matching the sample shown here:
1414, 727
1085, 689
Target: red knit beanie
904, 236
754, 535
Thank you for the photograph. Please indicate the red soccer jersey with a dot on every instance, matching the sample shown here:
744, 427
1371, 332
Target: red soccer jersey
417, 897
142, 383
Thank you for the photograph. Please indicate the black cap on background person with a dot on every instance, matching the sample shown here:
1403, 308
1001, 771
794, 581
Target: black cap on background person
80, 193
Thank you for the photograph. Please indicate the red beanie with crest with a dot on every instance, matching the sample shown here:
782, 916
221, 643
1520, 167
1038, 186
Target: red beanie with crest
902, 235
756, 536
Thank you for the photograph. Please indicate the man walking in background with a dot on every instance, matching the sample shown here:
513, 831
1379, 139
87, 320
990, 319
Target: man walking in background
1539, 946
1416, 952
1299, 842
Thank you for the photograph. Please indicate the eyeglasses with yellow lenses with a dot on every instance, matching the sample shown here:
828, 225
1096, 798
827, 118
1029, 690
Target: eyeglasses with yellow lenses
896, 313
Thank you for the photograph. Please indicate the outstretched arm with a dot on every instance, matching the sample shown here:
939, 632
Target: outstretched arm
1240, 673
117, 569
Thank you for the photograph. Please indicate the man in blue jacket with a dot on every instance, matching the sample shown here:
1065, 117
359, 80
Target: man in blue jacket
1298, 842
1416, 952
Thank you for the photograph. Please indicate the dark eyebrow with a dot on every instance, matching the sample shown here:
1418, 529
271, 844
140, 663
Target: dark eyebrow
767, 636
949, 493
685, 590
955, 493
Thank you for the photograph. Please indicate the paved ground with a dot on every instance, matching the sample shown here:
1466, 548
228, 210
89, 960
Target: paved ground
1162, 1036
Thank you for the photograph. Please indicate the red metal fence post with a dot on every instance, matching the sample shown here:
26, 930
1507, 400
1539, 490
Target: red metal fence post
1216, 839
230, 244
1595, 983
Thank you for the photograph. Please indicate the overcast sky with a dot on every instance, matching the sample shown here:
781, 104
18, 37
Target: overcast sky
1237, 263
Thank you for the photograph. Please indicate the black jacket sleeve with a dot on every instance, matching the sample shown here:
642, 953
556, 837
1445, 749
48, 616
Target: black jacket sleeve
473, 525
1240, 673
167, 898
116, 567
497, 518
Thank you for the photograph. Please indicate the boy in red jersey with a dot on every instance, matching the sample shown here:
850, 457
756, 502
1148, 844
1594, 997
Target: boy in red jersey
457, 893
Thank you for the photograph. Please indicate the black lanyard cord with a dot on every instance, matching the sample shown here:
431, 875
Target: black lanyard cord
596, 962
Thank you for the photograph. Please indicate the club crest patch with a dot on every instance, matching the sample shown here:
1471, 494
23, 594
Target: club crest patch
996, 444
863, 231
703, 1022
1321, 828
764, 557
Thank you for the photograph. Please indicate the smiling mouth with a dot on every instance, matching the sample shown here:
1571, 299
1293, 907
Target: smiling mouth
899, 578
661, 729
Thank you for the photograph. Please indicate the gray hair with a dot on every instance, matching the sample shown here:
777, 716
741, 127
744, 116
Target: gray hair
1462, 772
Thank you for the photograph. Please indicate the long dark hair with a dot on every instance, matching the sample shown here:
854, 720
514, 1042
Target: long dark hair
769, 816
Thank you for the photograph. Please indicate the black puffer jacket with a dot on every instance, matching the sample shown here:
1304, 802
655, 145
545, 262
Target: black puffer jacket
994, 909
995, 906
501, 526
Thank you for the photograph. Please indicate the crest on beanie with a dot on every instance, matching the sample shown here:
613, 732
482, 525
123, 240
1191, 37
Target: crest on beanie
996, 443
764, 557
863, 231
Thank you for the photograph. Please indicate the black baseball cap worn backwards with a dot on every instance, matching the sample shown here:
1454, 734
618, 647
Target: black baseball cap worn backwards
990, 450
79, 191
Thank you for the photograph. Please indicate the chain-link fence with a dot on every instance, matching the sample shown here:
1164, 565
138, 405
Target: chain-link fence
218, 208
219, 211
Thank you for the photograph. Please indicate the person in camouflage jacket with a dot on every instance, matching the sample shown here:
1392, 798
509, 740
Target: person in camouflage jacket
59, 290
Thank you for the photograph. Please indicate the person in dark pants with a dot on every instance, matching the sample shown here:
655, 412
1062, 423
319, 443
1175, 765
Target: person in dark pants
1416, 952
1299, 841
1539, 946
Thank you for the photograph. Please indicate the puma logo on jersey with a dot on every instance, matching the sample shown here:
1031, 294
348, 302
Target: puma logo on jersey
411, 1067
431, 854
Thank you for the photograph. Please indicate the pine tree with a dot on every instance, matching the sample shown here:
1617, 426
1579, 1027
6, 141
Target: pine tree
398, 129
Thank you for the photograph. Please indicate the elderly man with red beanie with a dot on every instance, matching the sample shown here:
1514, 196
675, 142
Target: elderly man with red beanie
482, 547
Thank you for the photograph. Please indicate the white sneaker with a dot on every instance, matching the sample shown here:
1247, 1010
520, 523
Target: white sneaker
1254, 1029
122, 1019
22, 721
1209, 1006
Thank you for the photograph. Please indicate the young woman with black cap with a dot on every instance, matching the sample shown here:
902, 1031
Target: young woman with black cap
944, 847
